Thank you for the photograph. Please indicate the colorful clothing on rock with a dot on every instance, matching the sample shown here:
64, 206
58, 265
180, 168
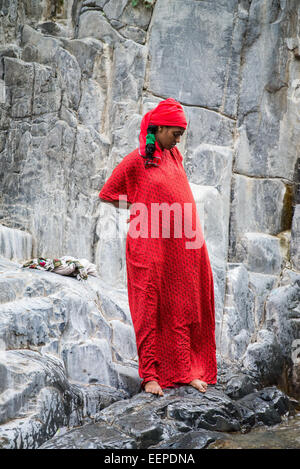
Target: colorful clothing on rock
66, 265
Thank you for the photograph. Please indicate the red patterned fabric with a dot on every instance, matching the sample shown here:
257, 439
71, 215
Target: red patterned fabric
169, 277
170, 287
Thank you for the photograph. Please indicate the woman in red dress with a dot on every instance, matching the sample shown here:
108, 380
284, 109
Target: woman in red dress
169, 276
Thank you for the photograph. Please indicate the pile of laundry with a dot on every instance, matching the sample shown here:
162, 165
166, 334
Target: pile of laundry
66, 265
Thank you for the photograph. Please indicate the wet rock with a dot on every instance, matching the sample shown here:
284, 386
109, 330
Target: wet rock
239, 385
282, 436
192, 440
182, 418
213, 411
92, 436
265, 407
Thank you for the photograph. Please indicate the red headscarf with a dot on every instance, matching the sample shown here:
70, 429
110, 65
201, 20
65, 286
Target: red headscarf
167, 112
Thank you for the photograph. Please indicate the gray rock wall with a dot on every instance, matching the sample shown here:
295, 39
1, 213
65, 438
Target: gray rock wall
75, 79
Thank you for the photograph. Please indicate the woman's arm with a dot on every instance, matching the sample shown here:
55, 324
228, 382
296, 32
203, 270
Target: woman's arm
120, 188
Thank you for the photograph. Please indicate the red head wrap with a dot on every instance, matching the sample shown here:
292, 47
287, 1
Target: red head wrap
168, 112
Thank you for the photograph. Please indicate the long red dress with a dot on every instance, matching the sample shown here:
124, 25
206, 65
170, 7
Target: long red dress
170, 287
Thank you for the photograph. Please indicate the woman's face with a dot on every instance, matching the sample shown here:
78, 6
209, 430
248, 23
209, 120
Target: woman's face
168, 137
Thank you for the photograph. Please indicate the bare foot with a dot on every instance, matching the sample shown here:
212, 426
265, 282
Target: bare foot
198, 384
154, 388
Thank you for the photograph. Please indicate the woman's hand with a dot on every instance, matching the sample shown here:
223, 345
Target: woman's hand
117, 203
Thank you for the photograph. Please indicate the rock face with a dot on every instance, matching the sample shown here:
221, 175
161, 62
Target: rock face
67, 349
15, 244
75, 79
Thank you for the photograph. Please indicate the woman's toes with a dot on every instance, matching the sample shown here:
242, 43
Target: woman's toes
198, 384
154, 388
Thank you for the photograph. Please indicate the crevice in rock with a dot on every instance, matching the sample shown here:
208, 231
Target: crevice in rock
242, 60
229, 62
56, 8
68, 192
33, 88
297, 182
108, 54
61, 103
148, 61
287, 211
254, 176
117, 30
217, 111
76, 8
